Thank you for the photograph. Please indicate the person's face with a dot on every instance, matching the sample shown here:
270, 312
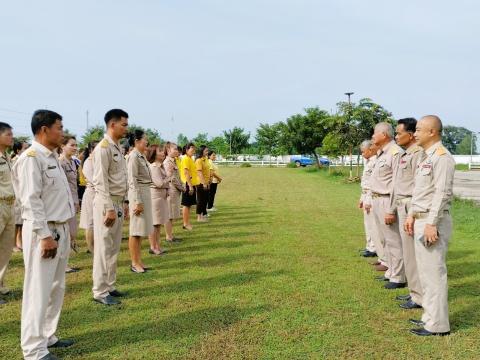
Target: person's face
25, 146
378, 137
205, 152
423, 133
191, 151
70, 148
402, 136
120, 128
366, 153
6, 138
213, 157
142, 144
160, 156
173, 151
54, 134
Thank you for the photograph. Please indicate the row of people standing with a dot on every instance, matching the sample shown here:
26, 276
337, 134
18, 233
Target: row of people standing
406, 198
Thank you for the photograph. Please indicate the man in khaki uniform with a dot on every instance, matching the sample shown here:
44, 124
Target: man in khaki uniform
7, 199
381, 187
110, 182
403, 181
430, 223
47, 206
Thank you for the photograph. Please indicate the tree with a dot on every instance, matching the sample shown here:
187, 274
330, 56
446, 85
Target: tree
466, 146
201, 139
182, 140
92, 134
305, 133
268, 139
219, 145
453, 136
236, 139
332, 146
153, 136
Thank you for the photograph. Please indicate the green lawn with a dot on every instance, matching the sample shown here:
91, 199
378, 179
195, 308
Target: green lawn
274, 275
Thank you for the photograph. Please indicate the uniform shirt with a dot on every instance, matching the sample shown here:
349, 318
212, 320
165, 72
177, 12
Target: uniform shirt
43, 189
385, 165
160, 181
178, 161
171, 169
213, 170
70, 169
139, 175
87, 170
202, 164
404, 176
433, 191
109, 172
6, 186
188, 163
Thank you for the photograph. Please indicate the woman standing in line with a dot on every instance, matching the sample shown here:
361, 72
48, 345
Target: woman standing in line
69, 149
18, 148
139, 197
215, 180
189, 176
175, 190
202, 167
86, 212
159, 190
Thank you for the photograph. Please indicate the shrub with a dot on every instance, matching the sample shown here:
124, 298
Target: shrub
246, 165
291, 165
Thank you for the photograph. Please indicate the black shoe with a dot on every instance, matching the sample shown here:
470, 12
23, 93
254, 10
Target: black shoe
62, 343
72, 270
391, 285
416, 322
381, 278
369, 254
403, 297
423, 332
410, 305
2, 302
116, 293
134, 269
50, 357
108, 300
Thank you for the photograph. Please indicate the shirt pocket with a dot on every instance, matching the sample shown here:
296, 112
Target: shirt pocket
4, 172
50, 179
383, 168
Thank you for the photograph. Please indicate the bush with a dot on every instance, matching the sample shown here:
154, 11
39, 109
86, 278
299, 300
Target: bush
291, 165
246, 165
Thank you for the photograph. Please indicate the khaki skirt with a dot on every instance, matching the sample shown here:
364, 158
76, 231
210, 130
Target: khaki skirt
174, 198
86, 212
141, 225
161, 214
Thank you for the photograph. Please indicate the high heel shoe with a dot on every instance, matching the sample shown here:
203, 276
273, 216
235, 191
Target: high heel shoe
135, 270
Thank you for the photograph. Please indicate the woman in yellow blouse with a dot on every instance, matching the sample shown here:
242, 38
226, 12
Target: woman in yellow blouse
202, 167
216, 179
189, 177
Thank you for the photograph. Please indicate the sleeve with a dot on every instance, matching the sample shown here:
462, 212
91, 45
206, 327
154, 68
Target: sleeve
101, 160
132, 170
443, 173
30, 190
88, 171
170, 171
198, 165
393, 197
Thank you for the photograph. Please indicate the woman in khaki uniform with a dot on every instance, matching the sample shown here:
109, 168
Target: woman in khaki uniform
139, 197
175, 190
86, 212
159, 191
18, 149
69, 149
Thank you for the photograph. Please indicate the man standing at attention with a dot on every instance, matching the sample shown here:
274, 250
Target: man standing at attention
110, 183
381, 187
47, 206
430, 223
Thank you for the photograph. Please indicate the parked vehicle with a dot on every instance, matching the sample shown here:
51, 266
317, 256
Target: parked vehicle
303, 160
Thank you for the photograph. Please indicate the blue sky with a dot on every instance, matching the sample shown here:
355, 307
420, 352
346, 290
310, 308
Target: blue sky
213, 65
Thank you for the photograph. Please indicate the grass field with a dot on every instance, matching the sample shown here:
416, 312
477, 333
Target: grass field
274, 275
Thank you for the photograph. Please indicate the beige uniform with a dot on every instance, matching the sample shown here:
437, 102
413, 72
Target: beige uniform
159, 191
403, 182
70, 169
110, 182
47, 206
86, 213
432, 196
381, 187
175, 189
139, 182
17, 207
7, 219
368, 220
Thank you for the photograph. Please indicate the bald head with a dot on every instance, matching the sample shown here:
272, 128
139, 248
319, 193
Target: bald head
429, 131
432, 122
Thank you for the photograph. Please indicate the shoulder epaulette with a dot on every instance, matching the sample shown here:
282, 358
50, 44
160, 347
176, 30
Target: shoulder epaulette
416, 148
31, 153
104, 143
395, 150
441, 151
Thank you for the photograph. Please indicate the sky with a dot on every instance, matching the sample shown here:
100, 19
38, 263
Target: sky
206, 66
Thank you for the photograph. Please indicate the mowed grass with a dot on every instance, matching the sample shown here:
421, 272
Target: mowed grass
274, 275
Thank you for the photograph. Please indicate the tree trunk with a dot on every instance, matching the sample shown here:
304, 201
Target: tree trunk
318, 160
351, 163
358, 165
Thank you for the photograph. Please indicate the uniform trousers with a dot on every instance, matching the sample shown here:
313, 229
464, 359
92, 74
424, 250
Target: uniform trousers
105, 248
43, 290
7, 239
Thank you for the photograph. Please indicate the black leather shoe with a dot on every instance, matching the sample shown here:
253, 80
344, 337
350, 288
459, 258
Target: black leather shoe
62, 343
423, 332
392, 285
403, 297
416, 322
369, 254
116, 293
108, 300
2, 302
50, 357
381, 278
410, 305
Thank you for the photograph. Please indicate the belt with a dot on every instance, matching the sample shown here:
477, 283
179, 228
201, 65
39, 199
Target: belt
377, 195
8, 201
403, 201
56, 222
364, 191
117, 198
424, 214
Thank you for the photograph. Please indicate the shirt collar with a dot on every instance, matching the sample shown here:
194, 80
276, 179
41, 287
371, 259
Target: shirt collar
47, 152
386, 147
433, 148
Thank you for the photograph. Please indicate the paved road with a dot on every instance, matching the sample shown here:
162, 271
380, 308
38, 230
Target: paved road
467, 185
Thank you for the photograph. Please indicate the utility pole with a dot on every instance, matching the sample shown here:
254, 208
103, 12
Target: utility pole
349, 94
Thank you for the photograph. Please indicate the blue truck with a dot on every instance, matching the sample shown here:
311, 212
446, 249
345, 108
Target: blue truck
302, 160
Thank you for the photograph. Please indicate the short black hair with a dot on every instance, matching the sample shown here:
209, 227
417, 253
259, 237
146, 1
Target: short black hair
134, 135
4, 127
44, 118
211, 152
186, 147
409, 124
115, 115
200, 150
